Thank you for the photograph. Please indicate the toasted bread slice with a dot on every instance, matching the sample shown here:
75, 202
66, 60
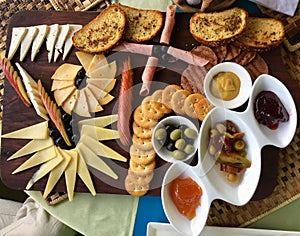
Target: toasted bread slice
141, 25
102, 33
216, 28
262, 34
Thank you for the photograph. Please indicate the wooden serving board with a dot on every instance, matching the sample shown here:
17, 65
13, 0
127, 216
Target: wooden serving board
16, 115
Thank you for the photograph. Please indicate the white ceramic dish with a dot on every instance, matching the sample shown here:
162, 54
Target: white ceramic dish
162, 151
206, 173
245, 88
164, 229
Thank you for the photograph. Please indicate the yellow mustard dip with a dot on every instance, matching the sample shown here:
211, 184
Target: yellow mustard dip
225, 85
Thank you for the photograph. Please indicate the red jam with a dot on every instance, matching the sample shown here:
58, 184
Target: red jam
269, 111
186, 194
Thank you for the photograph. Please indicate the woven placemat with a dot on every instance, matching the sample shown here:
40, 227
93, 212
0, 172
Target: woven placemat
77, 5
221, 213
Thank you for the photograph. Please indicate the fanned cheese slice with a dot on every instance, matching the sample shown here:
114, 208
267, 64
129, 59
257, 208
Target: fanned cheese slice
43, 170
104, 84
38, 158
106, 99
27, 41
36, 131
70, 172
51, 40
99, 60
62, 95
85, 59
98, 93
101, 149
84, 174
92, 101
68, 43
101, 121
18, 33
56, 172
99, 133
81, 106
58, 48
60, 84
33, 94
108, 71
66, 71
69, 103
34, 145
38, 40
94, 161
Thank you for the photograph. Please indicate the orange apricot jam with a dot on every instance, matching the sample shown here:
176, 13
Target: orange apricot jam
186, 194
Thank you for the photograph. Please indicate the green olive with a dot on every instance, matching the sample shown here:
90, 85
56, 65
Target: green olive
160, 134
190, 133
178, 155
175, 134
189, 149
180, 144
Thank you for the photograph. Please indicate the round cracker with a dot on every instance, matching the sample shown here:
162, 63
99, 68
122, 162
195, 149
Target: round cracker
157, 96
140, 177
142, 119
134, 188
141, 132
177, 101
143, 159
168, 93
142, 168
142, 143
190, 102
202, 108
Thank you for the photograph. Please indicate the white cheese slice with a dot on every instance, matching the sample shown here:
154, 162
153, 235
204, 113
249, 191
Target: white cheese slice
27, 41
69, 104
101, 121
51, 40
66, 71
92, 101
106, 99
18, 33
108, 71
81, 106
58, 48
36, 131
62, 95
34, 145
97, 92
38, 40
99, 60
99, 133
38, 158
68, 42
85, 59
60, 84
105, 84
94, 161
70, 172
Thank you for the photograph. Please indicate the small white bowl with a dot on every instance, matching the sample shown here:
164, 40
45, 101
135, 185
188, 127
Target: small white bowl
245, 86
162, 151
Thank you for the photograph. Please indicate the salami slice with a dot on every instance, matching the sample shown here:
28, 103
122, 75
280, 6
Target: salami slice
206, 53
192, 79
221, 52
232, 51
245, 57
257, 67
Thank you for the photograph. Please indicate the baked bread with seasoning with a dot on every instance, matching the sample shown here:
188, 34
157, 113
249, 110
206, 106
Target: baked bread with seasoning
217, 28
141, 25
262, 34
101, 33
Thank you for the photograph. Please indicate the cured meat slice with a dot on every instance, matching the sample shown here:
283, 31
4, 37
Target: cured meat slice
192, 79
232, 51
245, 57
206, 53
221, 52
143, 49
169, 24
257, 67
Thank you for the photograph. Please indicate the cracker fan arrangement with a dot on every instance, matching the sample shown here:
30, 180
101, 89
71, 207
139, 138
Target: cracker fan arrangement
64, 147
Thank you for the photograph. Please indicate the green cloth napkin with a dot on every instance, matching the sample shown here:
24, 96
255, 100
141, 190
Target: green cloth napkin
146, 4
103, 214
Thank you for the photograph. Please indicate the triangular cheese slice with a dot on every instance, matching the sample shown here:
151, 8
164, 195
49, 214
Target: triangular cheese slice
101, 121
60, 84
43, 170
101, 149
38, 158
38, 40
18, 33
27, 41
51, 40
84, 174
61, 95
69, 103
94, 161
56, 172
70, 172
99, 60
68, 43
108, 71
66, 71
106, 99
37, 131
34, 145
98, 93
92, 101
103, 84
58, 48
99, 133
81, 106
85, 59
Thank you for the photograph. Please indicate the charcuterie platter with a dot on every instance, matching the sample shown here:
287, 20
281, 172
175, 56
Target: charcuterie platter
16, 115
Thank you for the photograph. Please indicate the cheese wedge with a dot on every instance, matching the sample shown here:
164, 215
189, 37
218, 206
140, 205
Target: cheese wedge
94, 161
43, 170
70, 172
69, 103
36, 131
66, 71
104, 84
85, 59
97, 92
58, 48
101, 149
33, 94
99, 60
56, 172
92, 101
38, 40
101, 121
84, 174
27, 41
17, 35
62, 95
108, 71
81, 106
68, 42
38, 158
34, 145
51, 40
60, 84
106, 99
99, 133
